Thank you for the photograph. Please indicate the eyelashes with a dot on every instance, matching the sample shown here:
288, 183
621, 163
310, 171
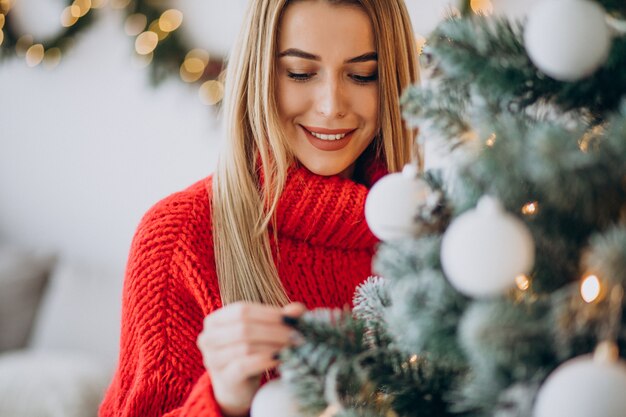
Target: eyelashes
306, 76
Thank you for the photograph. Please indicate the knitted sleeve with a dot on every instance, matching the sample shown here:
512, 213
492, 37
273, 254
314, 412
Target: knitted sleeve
169, 288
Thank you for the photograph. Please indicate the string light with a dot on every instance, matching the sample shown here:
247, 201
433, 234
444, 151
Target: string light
51, 58
75, 11
22, 45
590, 288
590, 138
170, 20
135, 24
530, 209
146, 42
211, 92
491, 140
522, 282
483, 7
98, 4
5, 5
193, 66
68, 17
154, 27
421, 42
413, 359
34, 55
83, 7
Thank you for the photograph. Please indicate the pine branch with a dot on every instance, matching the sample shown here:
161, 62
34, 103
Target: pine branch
486, 57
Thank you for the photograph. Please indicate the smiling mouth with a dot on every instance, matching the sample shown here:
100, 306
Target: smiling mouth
329, 134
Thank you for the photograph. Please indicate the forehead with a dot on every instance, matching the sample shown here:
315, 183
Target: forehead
326, 30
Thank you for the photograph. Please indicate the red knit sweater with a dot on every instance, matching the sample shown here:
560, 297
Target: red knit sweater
170, 286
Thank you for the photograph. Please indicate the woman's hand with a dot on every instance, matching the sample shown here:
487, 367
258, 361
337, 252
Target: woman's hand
238, 343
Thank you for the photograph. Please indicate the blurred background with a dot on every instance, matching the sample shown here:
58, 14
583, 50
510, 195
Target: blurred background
106, 106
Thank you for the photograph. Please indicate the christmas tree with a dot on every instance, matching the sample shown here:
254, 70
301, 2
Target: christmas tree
501, 277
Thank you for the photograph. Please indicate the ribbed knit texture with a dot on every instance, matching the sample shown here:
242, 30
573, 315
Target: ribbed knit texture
325, 250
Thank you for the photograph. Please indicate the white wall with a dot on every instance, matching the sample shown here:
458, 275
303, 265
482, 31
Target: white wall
87, 148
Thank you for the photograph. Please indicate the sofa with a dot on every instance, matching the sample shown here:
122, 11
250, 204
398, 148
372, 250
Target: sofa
59, 334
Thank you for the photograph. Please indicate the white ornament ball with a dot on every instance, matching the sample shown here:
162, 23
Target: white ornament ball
567, 39
392, 203
584, 387
274, 400
484, 249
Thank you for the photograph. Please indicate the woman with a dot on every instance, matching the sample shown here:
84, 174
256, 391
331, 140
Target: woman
312, 121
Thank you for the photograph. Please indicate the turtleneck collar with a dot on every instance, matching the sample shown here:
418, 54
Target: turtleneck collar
329, 211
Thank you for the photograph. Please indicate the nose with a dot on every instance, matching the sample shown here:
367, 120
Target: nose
331, 101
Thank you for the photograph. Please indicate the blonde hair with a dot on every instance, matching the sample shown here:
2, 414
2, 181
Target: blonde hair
244, 199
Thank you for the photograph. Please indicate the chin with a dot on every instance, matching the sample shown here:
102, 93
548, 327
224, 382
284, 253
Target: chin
325, 170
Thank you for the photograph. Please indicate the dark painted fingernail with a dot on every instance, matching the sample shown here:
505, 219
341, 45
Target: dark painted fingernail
290, 321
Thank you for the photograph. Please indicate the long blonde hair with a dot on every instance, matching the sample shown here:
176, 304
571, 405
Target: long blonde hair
242, 205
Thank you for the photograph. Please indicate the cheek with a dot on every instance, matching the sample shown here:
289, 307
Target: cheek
291, 101
366, 105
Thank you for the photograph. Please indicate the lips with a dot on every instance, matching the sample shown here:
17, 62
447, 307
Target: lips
328, 145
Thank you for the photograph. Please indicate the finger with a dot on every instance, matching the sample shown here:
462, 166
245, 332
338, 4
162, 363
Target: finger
243, 332
292, 312
294, 309
219, 359
242, 311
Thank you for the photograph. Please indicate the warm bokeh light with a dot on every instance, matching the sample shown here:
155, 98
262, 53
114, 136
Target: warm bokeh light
491, 140
482, 7
170, 20
34, 55
154, 27
421, 42
51, 58
146, 42
98, 4
135, 24
200, 54
191, 70
590, 288
530, 209
1, 37
67, 18
211, 92
413, 359
522, 282
22, 45
193, 66
75, 11
83, 6
2, 19
5, 5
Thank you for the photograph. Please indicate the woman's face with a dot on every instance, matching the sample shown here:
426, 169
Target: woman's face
327, 85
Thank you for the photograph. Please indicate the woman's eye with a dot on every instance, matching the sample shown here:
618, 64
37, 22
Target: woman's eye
364, 79
300, 76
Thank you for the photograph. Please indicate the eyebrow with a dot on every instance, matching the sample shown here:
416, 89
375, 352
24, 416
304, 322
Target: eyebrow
298, 53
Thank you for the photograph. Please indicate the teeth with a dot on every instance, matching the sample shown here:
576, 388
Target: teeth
328, 137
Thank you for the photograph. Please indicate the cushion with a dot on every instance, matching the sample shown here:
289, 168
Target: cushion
81, 311
23, 277
44, 384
